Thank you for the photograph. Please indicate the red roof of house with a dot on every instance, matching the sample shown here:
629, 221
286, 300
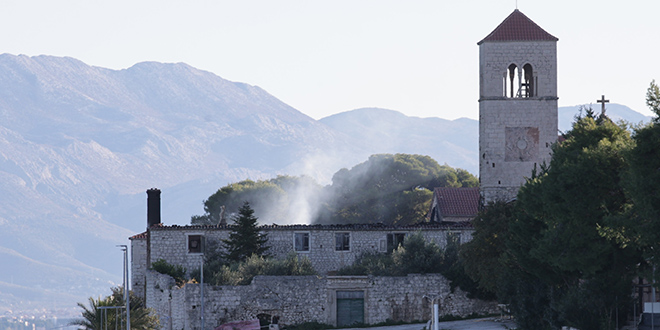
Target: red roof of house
461, 202
139, 236
518, 27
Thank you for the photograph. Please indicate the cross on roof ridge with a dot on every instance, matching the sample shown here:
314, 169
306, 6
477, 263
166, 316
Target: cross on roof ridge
602, 101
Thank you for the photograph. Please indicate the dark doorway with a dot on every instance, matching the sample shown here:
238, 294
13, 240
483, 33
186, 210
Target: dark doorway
350, 308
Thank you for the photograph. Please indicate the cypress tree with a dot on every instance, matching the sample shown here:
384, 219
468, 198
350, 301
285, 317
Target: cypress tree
245, 238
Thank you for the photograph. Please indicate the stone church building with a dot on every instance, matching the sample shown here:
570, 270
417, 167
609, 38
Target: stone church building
517, 126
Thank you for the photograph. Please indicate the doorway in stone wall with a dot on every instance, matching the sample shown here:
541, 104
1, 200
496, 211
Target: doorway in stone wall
350, 308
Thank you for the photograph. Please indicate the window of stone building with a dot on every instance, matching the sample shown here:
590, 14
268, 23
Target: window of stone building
195, 244
342, 241
453, 237
301, 242
394, 240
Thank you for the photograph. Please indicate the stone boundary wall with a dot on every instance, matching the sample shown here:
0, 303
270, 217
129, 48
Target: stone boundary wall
298, 299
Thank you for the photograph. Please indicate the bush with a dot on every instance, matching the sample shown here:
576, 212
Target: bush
242, 273
417, 256
369, 263
177, 272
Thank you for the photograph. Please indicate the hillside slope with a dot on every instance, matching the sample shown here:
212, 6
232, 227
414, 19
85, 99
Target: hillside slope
79, 145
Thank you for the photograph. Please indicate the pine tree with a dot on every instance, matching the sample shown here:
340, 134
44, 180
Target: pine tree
653, 99
245, 238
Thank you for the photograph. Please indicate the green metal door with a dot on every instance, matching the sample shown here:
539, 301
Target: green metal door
350, 308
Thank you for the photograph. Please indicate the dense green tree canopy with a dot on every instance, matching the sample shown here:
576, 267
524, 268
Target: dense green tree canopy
643, 183
393, 189
566, 224
560, 254
485, 255
277, 200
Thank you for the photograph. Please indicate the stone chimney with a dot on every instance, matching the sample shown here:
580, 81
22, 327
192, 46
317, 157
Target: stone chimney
153, 207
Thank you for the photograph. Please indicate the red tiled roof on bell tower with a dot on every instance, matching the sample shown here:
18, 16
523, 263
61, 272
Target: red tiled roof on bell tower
518, 27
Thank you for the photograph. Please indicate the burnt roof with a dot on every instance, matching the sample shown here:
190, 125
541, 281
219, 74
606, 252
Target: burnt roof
518, 27
333, 227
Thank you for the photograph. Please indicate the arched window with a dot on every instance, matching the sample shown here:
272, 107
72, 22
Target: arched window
511, 81
527, 87
519, 84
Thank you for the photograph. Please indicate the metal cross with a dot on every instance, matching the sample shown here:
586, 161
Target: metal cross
602, 101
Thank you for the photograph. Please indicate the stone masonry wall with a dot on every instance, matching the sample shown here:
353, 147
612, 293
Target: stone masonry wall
298, 299
138, 265
171, 244
407, 299
495, 58
501, 174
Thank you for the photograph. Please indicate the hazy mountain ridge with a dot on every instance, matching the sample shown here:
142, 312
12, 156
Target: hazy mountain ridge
614, 111
79, 145
75, 138
388, 131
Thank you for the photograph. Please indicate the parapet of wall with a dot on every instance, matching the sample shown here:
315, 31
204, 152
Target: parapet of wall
298, 299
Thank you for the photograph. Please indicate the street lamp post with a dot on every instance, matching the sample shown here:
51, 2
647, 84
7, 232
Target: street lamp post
435, 312
201, 287
126, 280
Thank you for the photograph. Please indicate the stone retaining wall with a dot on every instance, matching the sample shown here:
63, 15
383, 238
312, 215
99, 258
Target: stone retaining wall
298, 299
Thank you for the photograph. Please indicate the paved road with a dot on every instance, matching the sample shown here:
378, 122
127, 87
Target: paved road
480, 324
476, 324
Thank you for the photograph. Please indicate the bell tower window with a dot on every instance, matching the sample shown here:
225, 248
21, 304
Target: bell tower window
517, 84
511, 81
527, 88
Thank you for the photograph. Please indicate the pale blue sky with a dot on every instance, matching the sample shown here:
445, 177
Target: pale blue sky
324, 57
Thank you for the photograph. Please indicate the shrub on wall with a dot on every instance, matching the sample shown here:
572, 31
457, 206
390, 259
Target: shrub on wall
417, 256
177, 272
414, 256
369, 263
242, 273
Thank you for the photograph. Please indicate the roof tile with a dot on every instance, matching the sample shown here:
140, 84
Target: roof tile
518, 27
461, 202
139, 236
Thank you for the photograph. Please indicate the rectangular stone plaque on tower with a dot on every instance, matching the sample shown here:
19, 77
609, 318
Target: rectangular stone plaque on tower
522, 144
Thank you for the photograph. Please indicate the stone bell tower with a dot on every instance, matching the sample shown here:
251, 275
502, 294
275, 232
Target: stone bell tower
517, 104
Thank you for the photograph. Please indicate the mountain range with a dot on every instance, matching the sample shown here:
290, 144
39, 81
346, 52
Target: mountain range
80, 145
